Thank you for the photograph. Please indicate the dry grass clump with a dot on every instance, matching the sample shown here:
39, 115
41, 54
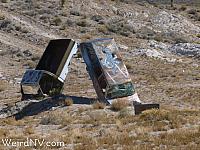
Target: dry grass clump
29, 130
31, 64
96, 117
57, 21
171, 119
192, 11
86, 36
154, 115
56, 118
115, 139
103, 29
3, 85
178, 138
3, 132
182, 8
128, 66
83, 23
4, 1
11, 121
88, 143
98, 105
125, 112
2, 16
119, 104
68, 101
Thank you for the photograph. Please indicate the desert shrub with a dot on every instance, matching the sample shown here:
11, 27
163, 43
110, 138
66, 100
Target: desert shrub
68, 101
96, 117
3, 85
70, 23
159, 38
24, 30
79, 55
35, 57
4, 23
56, 118
44, 18
62, 27
29, 130
146, 33
4, 1
57, 21
82, 109
119, 28
123, 1
2, 17
154, 115
86, 36
96, 18
98, 105
180, 40
179, 137
172, 37
3, 132
119, 104
103, 29
128, 66
62, 2
12, 121
125, 112
197, 17
83, 23
182, 8
31, 64
125, 33
192, 11
18, 28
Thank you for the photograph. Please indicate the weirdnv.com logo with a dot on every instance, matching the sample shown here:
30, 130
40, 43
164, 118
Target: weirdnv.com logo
30, 142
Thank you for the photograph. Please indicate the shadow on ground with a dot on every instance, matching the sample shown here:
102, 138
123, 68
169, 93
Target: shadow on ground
36, 107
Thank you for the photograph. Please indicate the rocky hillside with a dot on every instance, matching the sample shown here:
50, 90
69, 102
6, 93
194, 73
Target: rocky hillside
160, 46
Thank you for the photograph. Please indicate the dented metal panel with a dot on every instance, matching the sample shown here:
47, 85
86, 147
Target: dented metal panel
57, 56
108, 70
52, 68
32, 77
111, 61
64, 71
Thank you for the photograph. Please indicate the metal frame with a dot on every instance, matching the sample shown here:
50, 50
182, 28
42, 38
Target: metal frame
51, 70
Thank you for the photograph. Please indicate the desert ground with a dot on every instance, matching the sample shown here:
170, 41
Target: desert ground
160, 46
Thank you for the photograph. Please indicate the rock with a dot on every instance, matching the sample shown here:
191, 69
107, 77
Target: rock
74, 12
148, 52
1, 75
10, 111
17, 80
122, 46
186, 49
167, 23
158, 45
97, 18
27, 53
